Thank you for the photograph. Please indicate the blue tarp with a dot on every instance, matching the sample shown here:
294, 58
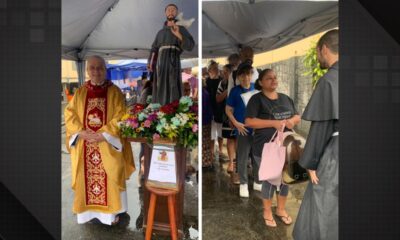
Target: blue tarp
125, 69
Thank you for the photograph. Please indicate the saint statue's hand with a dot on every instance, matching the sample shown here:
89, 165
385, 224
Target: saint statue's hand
175, 31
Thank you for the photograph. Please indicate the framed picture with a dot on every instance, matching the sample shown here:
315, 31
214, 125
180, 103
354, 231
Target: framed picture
162, 172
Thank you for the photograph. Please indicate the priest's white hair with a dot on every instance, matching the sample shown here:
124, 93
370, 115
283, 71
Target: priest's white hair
101, 59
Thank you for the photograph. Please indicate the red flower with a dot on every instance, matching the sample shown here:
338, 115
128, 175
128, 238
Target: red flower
137, 108
175, 104
168, 109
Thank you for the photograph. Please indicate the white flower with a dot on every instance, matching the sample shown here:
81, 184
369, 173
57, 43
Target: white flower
186, 100
160, 115
185, 116
183, 119
154, 106
142, 116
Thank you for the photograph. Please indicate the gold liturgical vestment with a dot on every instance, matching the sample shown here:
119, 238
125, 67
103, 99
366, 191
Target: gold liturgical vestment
99, 170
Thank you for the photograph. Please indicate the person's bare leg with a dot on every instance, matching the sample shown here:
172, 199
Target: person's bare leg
212, 143
220, 144
231, 149
281, 209
234, 146
268, 218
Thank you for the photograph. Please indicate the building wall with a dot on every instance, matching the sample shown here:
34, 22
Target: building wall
69, 72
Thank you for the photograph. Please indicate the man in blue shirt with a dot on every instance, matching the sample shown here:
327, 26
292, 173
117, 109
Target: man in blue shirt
235, 110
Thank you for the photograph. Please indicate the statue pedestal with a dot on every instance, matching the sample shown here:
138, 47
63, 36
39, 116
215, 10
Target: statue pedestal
161, 224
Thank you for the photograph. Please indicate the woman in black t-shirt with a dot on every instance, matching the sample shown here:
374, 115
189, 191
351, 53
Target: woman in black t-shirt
266, 112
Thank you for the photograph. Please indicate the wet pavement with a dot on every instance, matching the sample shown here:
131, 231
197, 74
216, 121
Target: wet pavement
130, 226
225, 215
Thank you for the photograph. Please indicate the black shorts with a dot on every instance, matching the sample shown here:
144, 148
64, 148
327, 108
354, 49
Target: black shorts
227, 131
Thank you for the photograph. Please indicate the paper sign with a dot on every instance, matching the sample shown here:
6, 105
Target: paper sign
163, 166
246, 96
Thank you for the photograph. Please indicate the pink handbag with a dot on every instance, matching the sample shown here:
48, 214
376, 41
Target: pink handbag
273, 160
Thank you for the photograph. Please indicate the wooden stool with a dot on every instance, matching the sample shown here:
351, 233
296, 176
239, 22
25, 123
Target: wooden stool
171, 210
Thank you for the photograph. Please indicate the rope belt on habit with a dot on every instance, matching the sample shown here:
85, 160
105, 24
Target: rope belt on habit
335, 134
168, 47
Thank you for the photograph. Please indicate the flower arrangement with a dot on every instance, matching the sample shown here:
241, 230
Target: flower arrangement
177, 121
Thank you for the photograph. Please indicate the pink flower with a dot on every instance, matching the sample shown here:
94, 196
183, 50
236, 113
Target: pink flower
156, 136
133, 123
195, 128
147, 123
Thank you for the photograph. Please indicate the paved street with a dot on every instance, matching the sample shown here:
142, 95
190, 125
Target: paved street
228, 216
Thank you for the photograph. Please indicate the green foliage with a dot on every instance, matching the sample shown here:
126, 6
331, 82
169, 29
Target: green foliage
311, 63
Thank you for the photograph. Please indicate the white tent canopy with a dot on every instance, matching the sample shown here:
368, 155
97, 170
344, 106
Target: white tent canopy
262, 24
117, 29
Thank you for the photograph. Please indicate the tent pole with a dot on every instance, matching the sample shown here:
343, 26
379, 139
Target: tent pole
80, 67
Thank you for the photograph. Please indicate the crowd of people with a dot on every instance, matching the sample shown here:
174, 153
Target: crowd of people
247, 123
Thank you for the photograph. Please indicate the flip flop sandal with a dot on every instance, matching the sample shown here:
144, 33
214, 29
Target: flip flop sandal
285, 219
272, 222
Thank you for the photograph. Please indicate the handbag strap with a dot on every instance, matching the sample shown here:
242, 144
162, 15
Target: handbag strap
280, 134
273, 135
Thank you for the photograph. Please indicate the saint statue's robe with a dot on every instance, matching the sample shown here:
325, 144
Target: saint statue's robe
99, 170
167, 76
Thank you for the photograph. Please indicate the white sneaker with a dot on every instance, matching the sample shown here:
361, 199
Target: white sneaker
257, 186
244, 190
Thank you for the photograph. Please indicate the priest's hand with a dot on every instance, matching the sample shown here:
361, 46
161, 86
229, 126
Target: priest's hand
85, 135
175, 31
313, 176
98, 137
